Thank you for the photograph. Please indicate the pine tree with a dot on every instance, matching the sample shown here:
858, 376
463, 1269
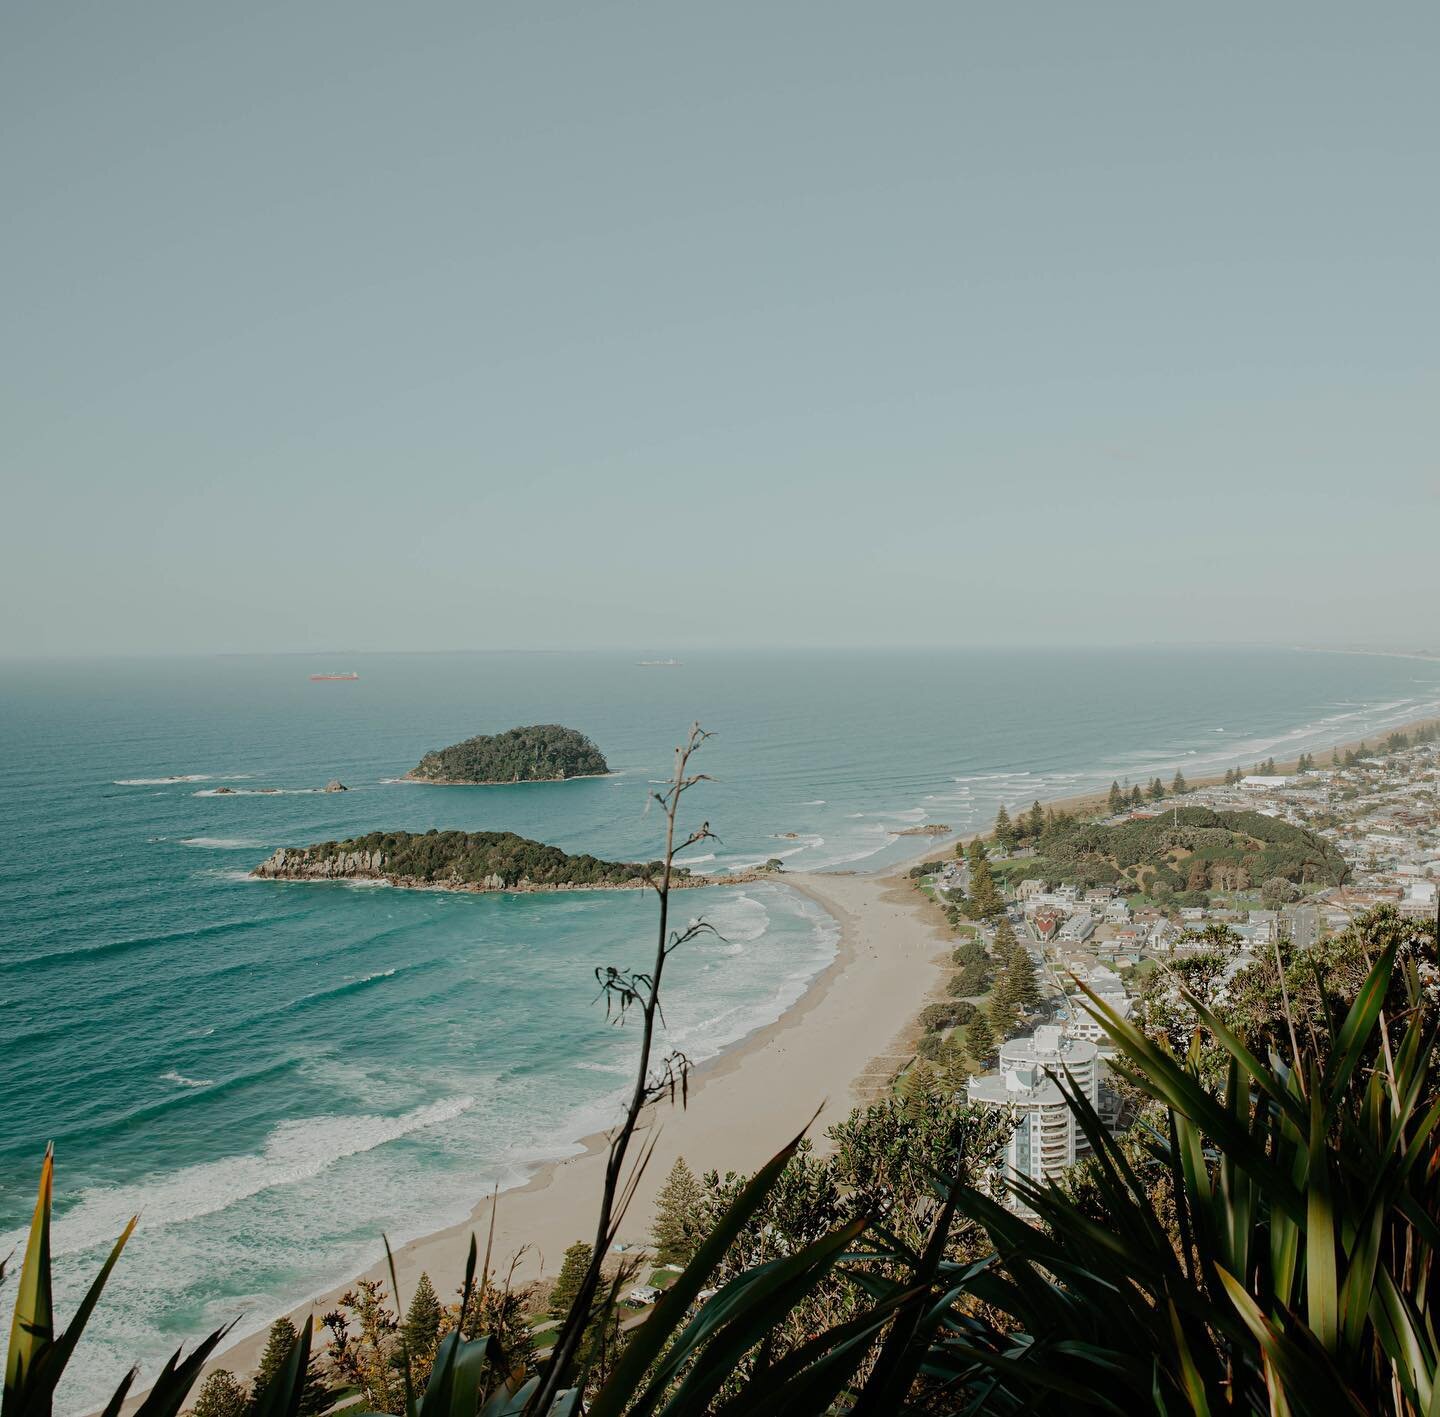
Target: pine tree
1003, 1010
1157, 790
985, 902
1117, 800
1269, 767
1005, 942
1004, 830
221, 1396
1021, 986
917, 1084
277, 1349
568, 1281
979, 1039
677, 1216
952, 1062
421, 1329
315, 1396
1037, 819
1135, 796
1179, 787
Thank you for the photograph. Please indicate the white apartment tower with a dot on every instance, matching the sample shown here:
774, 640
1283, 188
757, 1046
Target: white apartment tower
1046, 1138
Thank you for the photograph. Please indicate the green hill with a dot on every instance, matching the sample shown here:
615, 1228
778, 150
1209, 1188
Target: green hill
1190, 849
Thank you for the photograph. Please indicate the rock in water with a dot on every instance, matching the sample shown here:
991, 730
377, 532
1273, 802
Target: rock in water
335, 785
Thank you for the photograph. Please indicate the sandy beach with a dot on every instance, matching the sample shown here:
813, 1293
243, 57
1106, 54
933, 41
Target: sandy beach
844, 1038
840, 1043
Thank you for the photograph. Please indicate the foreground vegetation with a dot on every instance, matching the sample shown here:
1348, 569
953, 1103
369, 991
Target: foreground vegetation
542, 752
1261, 1239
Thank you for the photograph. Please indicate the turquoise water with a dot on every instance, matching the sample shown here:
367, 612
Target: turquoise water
274, 1074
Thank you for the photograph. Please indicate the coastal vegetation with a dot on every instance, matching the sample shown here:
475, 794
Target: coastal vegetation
541, 752
462, 860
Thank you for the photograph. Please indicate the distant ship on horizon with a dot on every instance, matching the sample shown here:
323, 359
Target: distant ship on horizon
349, 675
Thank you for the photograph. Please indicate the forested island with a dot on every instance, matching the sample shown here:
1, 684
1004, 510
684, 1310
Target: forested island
456, 860
539, 752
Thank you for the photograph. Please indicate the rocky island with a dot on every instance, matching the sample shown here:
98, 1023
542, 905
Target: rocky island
460, 861
541, 752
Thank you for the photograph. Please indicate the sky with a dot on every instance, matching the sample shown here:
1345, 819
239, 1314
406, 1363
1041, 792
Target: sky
474, 325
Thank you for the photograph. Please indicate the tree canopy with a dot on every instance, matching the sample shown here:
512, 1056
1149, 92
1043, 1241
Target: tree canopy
472, 858
541, 752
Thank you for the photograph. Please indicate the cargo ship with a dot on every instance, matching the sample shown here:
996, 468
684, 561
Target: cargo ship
351, 675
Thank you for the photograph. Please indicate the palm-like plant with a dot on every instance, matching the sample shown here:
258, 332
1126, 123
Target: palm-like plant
1298, 1274
37, 1355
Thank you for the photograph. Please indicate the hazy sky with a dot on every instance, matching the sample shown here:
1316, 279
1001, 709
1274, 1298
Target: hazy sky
476, 325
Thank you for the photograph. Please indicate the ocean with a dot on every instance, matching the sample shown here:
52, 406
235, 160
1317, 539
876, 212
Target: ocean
273, 1074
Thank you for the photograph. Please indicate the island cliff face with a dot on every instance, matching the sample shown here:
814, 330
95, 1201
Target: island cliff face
541, 752
454, 860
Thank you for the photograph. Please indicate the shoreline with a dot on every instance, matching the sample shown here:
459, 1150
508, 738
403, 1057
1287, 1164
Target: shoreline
867, 996
416, 883
862, 1005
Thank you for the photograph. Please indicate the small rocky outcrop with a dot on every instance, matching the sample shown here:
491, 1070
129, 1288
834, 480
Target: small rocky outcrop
335, 785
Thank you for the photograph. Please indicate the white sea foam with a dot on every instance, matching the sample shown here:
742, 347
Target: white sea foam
182, 1081
749, 863
182, 777
741, 918
222, 843
294, 1151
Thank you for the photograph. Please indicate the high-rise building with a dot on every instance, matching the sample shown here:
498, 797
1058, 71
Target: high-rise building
1046, 1138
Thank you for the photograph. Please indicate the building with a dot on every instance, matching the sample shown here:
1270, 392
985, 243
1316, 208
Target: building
1301, 925
1084, 1025
1046, 1139
1419, 902
1078, 928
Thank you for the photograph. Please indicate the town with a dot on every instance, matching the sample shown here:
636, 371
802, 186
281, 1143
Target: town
1264, 860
